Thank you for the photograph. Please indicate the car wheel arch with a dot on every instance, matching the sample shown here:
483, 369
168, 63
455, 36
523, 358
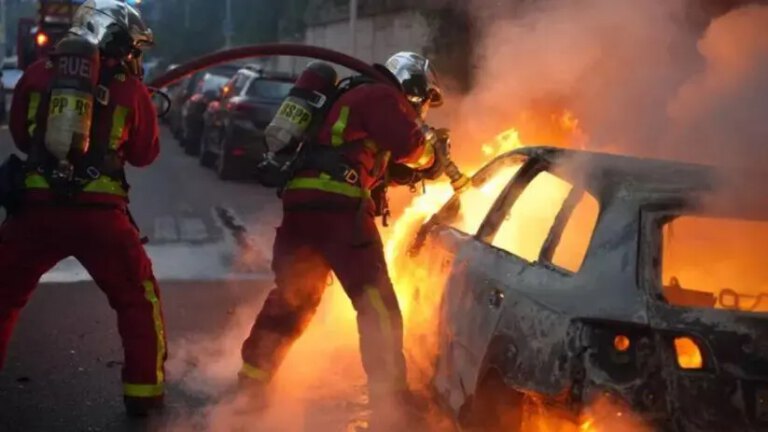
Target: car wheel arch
494, 405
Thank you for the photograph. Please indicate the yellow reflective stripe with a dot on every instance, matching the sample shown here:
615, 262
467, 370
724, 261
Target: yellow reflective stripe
149, 294
36, 181
118, 126
337, 133
103, 184
254, 373
381, 310
328, 185
385, 321
143, 390
426, 158
34, 105
106, 185
371, 145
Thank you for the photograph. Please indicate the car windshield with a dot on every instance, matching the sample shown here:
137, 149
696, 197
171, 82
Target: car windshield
269, 89
715, 262
212, 82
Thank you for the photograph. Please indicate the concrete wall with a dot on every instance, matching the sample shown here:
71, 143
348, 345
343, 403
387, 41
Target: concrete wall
378, 37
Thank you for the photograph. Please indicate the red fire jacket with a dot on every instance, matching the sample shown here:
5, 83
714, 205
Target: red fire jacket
378, 119
131, 127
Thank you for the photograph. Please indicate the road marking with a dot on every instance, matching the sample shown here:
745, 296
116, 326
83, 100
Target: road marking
249, 258
192, 229
165, 229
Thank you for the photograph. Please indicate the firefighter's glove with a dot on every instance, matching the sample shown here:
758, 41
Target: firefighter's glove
403, 175
440, 139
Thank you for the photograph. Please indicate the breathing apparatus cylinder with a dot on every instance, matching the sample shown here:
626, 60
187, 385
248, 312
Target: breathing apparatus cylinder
70, 106
306, 100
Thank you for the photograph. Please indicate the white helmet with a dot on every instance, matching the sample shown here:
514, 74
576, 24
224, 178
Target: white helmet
417, 78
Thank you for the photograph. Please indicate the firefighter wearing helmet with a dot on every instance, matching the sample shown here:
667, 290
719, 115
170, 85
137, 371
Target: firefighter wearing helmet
80, 116
373, 134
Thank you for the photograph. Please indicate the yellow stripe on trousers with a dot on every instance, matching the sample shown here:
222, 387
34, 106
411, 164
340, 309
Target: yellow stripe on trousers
253, 372
385, 322
150, 390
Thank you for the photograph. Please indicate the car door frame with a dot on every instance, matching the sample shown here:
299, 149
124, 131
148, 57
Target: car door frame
542, 268
455, 386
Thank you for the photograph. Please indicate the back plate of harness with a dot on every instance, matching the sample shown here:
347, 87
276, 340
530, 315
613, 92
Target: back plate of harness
100, 158
277, 170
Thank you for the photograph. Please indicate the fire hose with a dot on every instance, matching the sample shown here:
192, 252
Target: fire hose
458, 180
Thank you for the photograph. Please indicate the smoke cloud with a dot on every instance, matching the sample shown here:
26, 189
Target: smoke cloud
641, 77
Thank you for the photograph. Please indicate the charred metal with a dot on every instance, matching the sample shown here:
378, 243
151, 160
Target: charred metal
611, 328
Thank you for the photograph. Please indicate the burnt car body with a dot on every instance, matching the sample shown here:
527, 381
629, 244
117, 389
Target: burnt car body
516, 321
233, 135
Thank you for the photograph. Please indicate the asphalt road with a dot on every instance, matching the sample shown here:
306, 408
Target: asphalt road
64, 364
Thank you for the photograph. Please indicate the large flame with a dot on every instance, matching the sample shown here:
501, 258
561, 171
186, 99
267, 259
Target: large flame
419, 282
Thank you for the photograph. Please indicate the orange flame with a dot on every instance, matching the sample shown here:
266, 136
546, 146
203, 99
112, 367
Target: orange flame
688, 353
419, 280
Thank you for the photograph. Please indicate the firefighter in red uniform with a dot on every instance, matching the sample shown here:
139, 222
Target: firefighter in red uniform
85, 215
328, 225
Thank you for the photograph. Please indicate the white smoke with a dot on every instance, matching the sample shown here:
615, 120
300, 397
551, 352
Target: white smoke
638, 74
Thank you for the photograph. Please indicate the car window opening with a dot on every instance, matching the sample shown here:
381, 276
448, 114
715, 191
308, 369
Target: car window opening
714, 262
469, 209
532, 217
212, 82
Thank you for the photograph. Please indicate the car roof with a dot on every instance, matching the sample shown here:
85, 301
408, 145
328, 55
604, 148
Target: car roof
222, 68
268, 75
730, 191
634, 172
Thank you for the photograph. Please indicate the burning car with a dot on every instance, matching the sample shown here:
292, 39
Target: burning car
570, 276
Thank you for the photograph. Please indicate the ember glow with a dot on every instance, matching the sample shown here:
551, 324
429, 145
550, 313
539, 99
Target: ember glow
688, 353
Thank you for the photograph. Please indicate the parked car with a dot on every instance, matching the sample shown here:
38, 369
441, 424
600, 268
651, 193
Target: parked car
233, 135
185, 89
209, 88
581, 275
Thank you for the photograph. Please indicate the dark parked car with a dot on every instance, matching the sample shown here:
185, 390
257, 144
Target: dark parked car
569, 276
209, 88
234, 126
186, 88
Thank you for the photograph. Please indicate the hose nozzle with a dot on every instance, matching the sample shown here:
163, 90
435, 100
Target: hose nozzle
459, 181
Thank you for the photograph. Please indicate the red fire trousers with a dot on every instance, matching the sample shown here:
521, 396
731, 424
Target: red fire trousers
108, 245
308, 245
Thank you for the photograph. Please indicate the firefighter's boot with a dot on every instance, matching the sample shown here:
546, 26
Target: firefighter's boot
253, 394
142, 407
401, 410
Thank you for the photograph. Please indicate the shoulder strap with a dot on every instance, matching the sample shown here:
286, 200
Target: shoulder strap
342, 87
96, 155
